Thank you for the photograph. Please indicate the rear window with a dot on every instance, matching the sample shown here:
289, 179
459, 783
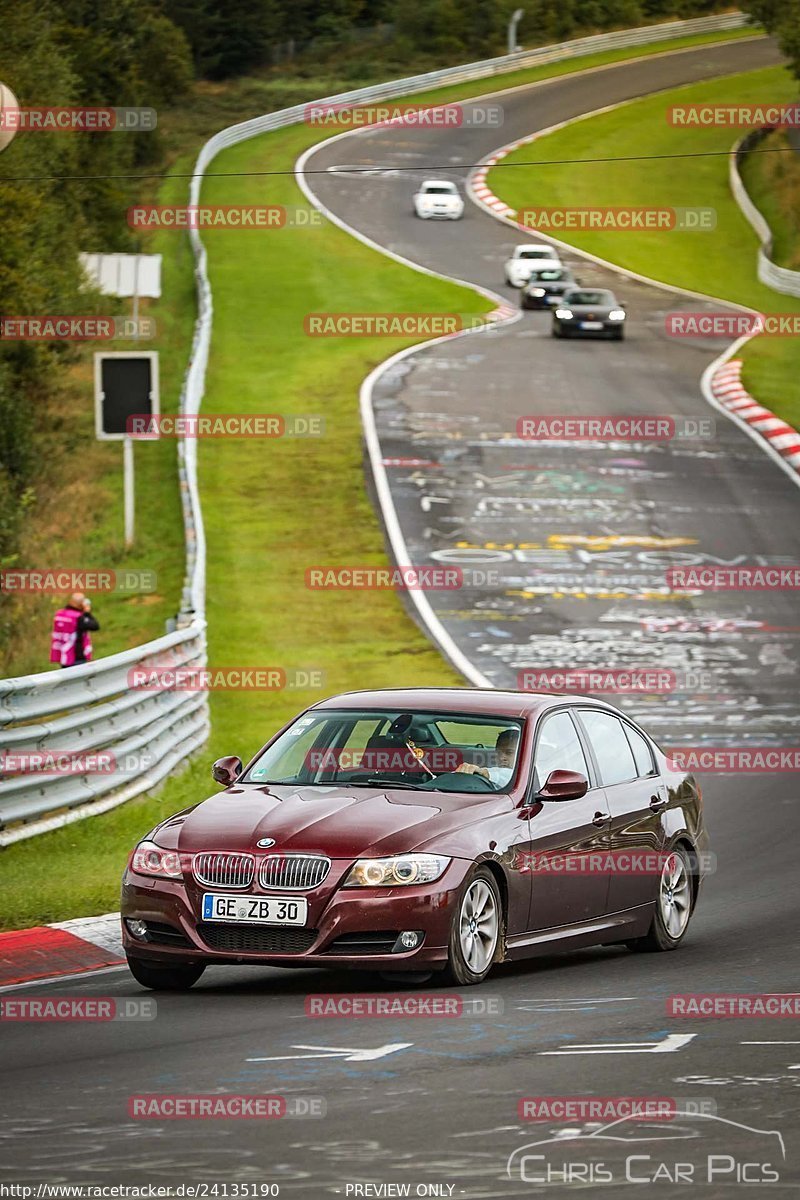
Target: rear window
611, 747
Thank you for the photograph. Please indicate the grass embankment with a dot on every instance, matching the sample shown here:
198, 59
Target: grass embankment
273, 508
719, 263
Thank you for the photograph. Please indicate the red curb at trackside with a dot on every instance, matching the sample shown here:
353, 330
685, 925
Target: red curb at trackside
727, 389
44, 952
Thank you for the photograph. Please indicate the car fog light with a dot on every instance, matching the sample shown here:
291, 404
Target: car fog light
137, 928
409, 939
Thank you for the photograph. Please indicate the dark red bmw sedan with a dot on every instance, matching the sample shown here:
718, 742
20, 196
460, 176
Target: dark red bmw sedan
422, 830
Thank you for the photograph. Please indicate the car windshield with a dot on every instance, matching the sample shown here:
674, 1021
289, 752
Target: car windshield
428, 751
604, 299
438, 189
536, 252
547, 275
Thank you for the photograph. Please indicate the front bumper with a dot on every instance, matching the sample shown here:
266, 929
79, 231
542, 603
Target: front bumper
336, 917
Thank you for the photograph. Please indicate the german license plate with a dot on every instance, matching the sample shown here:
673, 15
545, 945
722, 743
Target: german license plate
256, 910
591, 324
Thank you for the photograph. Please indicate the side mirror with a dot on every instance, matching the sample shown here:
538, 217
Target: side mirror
226, 770
564, 785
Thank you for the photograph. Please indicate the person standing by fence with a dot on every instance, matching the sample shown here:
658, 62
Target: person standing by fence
70, 642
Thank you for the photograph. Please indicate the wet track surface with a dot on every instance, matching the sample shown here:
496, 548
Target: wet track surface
442, 1110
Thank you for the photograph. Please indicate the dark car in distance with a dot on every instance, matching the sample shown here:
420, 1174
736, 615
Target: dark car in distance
418, 831
546, 286
585, 312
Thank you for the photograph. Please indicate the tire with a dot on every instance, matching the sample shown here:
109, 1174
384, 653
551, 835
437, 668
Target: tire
471, 955
670, 919
557, 331
618, 335
177, 978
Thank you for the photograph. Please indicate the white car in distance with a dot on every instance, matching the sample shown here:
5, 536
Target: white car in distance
525, 259
438, 198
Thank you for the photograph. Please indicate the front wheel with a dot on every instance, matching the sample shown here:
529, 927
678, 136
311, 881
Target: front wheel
178, 977
477, 929
673, 906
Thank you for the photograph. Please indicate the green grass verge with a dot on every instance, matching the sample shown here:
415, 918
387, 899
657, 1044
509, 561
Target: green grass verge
721, 263
271, 509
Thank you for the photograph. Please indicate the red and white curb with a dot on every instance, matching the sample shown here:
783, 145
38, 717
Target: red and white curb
727, 389
68, 948
481, 190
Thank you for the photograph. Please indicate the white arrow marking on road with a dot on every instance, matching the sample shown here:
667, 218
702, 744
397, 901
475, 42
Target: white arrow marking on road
350, 1055
673, 1041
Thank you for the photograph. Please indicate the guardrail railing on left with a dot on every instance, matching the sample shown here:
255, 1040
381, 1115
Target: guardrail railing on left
92, 739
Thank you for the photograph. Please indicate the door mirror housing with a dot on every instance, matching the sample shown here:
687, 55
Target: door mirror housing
226, 770
564, 785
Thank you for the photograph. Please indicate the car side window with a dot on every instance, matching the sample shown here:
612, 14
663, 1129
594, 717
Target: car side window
558, 748
611, 748
641, 752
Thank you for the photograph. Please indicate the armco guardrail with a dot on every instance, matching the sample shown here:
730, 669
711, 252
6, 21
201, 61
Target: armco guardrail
780, 279
137, 735
90, 707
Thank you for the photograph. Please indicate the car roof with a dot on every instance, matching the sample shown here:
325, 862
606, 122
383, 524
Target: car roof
536, 246
438, 183
489, 701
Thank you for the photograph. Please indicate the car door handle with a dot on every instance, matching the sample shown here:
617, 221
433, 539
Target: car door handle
660, 800
601, 818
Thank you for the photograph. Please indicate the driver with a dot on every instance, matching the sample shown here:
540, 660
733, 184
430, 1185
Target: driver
505, 754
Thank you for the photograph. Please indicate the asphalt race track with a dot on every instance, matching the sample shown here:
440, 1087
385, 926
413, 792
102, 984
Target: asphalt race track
437, 1101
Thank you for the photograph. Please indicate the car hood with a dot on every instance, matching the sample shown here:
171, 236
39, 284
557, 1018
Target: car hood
337, 821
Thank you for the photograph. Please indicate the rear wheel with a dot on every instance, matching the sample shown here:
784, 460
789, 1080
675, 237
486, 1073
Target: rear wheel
177, 977
477, 929
673, 905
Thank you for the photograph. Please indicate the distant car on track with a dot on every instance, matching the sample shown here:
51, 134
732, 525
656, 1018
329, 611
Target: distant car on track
438, 198
420, 830
585, 311
527, 258
546, 286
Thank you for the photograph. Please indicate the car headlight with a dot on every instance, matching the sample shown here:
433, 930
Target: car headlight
150, 859
616, 314
564, 314
536, 292
397, 871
